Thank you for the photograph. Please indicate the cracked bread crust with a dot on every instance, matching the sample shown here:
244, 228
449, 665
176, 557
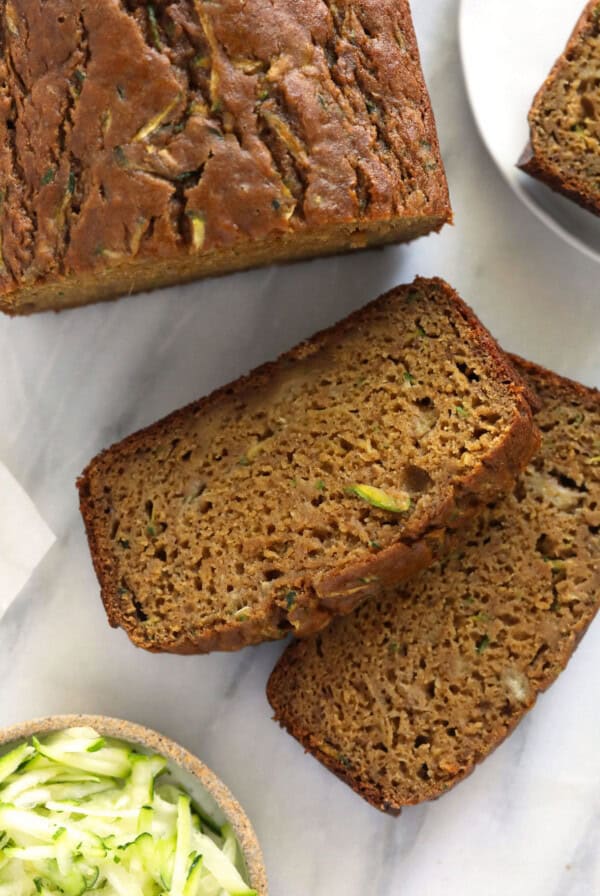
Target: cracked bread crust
113, 510
153, 143
403, 700
565, 126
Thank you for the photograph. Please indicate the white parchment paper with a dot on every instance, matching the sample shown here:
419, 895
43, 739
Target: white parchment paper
24, 538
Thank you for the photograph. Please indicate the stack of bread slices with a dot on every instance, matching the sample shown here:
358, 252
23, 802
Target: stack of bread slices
419, 509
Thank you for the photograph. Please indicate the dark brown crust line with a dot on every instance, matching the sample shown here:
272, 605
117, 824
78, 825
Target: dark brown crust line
337, 593
197, 132
533, 161
571, 391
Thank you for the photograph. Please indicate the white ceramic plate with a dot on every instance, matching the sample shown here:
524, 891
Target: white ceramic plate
508, 48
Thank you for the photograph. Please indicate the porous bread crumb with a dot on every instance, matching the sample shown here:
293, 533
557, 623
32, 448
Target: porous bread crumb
415, 689
251, 513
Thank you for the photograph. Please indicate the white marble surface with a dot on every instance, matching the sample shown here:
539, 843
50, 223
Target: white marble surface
525, 824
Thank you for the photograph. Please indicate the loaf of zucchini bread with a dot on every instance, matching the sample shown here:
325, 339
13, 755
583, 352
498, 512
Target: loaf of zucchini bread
296, 492
144, 144
402, 699
564, 148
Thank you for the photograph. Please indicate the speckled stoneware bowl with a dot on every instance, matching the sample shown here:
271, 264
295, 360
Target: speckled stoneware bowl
207, 791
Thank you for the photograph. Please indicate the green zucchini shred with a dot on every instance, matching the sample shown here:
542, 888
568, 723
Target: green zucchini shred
81, 812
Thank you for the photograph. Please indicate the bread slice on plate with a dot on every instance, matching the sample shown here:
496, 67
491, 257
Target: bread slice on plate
564, 148
403, 698
294, 493
186, 139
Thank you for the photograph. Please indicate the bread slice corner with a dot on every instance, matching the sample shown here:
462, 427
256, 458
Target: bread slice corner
564, 146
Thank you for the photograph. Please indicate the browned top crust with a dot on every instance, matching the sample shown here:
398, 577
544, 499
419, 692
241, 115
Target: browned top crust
404, 698
135, 131
564, 148
234, 520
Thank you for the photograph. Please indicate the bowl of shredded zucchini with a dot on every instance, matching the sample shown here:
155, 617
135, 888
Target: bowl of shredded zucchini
93, 805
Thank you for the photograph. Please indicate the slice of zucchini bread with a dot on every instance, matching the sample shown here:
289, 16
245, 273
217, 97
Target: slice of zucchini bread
294, 493
403, 698
564, 149
145, 144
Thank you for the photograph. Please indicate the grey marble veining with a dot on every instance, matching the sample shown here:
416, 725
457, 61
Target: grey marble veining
527, 822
